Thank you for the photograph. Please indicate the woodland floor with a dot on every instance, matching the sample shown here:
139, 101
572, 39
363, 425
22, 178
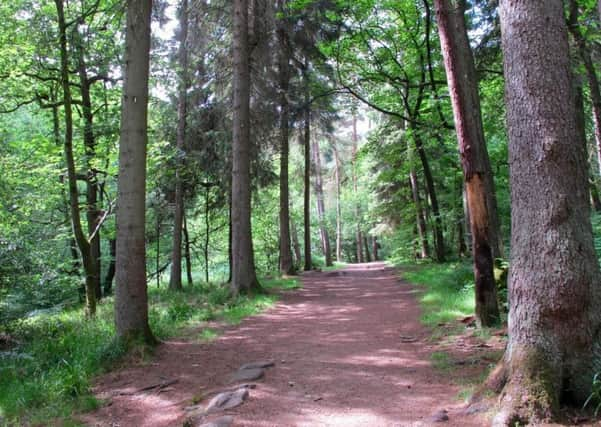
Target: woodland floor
349, 350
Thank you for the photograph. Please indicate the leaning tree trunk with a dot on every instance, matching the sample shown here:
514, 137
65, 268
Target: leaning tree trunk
286, 264
175, 279
78, 233
321, 210
554, 294
477, 173
422, 231
244, 277
131, 299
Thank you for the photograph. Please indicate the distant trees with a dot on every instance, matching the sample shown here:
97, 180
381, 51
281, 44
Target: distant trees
554, 294
131, 300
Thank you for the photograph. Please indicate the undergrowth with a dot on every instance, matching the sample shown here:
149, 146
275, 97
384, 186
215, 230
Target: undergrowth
47, 368
448, 290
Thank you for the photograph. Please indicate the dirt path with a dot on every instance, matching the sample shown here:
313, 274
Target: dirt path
349, 351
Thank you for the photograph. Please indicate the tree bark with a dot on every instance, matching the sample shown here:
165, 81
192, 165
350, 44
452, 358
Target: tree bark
110, 272
554, 295
591, 76
374, 241
477, 173
366, 247
244, 277
307, 188
175, 280
358, 233
187, 252
338, 204
82, 242
321, 210
422, 231
295, 242
286, 264
131, 299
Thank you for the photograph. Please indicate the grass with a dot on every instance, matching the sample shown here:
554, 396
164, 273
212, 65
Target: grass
441, 361
448, 290
49, 373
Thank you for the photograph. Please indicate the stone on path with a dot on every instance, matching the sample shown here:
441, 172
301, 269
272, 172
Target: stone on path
255, 365
226, 421
227, 400
248, 375
440, 416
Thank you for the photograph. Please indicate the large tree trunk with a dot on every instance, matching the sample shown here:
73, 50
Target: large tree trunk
131, 299
338, 204
554, 294
175, 280
321, 210
244, 277
286, 264
462, 80
81, 239
307, 188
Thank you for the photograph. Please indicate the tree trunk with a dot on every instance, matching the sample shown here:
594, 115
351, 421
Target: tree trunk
321, 210
554, 295
366, 246
131, 300
82, 242
477, 173
422, 231
338, 205
307, 188
244, 277
358, 234
286, 264
295, 242
187, 252
110, 273
591, 76
93, 213
207, 232
175, 280
374, 250
439, 246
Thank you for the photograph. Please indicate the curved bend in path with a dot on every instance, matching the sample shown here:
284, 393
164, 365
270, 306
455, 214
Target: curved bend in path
342, 359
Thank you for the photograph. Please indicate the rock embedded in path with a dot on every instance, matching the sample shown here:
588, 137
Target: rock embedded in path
258, 365
227, 400
248, 375
439, 416
226, 421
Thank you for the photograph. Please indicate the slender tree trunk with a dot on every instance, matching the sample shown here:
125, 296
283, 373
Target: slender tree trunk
286, 264
295, 242
321, 210
307, 188
131, 300
419, 211
82, 242
554, 294
462, 80
366, 246
439, 245
207, 232
110, 272
244, 277
175, 280
338, 205
93, 213
187, 252
358, 234
374, 250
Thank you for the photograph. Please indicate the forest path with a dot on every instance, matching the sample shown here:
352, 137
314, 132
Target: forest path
348, 349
